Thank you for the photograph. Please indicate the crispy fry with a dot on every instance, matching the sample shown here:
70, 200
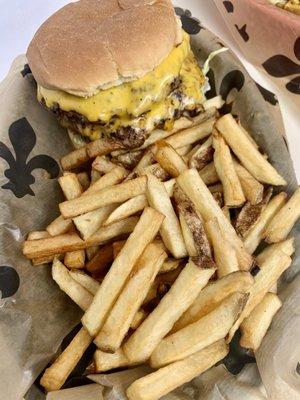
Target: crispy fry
44, 260
168, 158
170, 230
75, 259
156, 170
101, 147
55, 376
84, 180
202, 333
255, 234
233, 192
269, 273
85, 280
169, 265
218, 196
218, 188
73, 289
110, 195
138, 318
193, 186
59, 226
91, 251
95, 176
202, 156
70, 185
144, 162
106, 361
287, 246
35, 235
144, 232
188, 237
103, 164
250, 213
98, 265
212, 295
184, 151
253, 190
130, 207
74, 159
209, 174
116, 175
130, 159
131, 298
247, 153
283, 222
117, 247
216, 102
256, 325
163, 381
226, 212
225, 254
184, 291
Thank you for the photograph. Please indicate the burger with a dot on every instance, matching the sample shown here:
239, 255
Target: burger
116, 69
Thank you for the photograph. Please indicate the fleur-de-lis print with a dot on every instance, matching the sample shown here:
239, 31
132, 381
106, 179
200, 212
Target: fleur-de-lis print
237, 357
280, 66
228, 6
189, 23
26, 70
9, 281
243, 32
19, 173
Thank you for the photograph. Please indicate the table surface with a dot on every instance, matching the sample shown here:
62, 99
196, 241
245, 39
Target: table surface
19, 20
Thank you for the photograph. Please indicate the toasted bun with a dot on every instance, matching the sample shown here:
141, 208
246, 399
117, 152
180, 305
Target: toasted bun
96, 44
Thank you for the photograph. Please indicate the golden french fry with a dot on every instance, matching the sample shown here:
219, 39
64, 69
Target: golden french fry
156, 170
84, 180
144, 162
101, 147
163, 381
256, 234
35, 235
85, 280
250, 213
73, 289
88, 223
131, 298
74, 159
129, 160
113, 177
143, 233
75, 259
99, 264
44, 260
224, 253
102, 164
283, 222
269, 274
70, 185
200, 334
209, 174
188, 237
233, 192
170, 230
107, 361
95, 175
91, 251
169, 265
256, 325
218, 188
247, 153
130, 207
138, 318
110, 195
218, 196
55, 376
216, 102
59, 226
168, 158
201, 156
287, 246
184, 151
184, 291
117, 247
226, 212
194, 187
212, 295
253, 190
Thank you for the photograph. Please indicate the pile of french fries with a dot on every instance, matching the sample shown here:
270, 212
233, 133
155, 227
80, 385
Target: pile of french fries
160, 248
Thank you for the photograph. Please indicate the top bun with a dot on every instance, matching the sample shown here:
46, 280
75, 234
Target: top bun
96, 44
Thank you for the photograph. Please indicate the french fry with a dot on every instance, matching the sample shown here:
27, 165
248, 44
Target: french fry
67, 284
74, 159
212, 295
84, 180
202, 156
170, 230
59, 226
88, 223
35, 235
75, 259
283, 222
216, 102
143, 233
85, 280
226, 212
44, 260
163, 381
138, 318
144, 162
131, 298
218, 196
130, 207
110, 195
107, 361
70, 242
70, 185
193, 186
130, 159
113, 177
101, 147
184, 291
218, 188
287, 246
102, 164
169, 265
256, 234
156, 170
250, 213
247, 153
91, 251
184, 151
188, 237
256, 325
233, 192
99, 264
269, 273
253, 190
95, 175
168, 158
200, 334
225, 254
209, 174
117, 247
55, 376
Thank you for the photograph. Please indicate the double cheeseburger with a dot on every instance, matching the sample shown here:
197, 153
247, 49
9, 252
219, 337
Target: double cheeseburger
116, 69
